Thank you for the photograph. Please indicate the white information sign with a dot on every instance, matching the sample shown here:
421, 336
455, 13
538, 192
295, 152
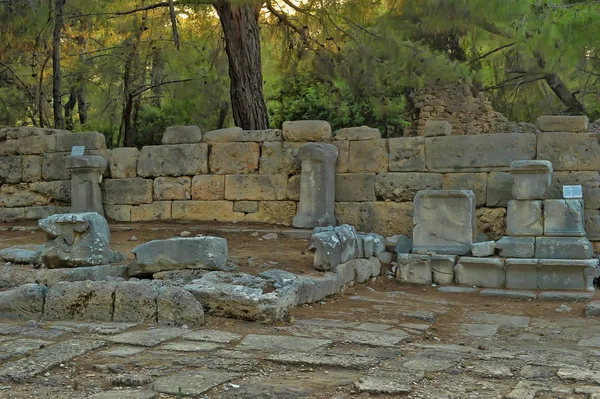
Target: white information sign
77, 150
572, 192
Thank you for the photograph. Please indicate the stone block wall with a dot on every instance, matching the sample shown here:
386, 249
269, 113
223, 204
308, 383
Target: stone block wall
242, 176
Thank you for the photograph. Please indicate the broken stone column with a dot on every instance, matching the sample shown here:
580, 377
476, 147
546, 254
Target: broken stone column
86, 176
317, 186
530, 179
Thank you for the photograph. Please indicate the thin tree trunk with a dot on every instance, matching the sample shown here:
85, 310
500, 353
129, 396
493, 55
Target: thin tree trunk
564, 94
242, 44
69, 107
56, 72
157, 75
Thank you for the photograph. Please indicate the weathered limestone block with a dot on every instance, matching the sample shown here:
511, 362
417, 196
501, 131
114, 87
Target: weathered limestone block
123, 162
41, 212
480, 153
135, 302
521, 274
75, 239
181, 135
476, 182
364, 269
226, 135
293, 188
570, 151
8, 147
524, 218
516, 247
55, 166
261, 135
404, 186
442, 268
341, 165
80, 300
563, 248
173, 160
530, 179
32, 168
304, 131
21, 195
10, 169
273, 212
24, 131
172, 188
36, 144
564, 217
158, 210
255, 187
208, 187
118, 213
246, 206
11, 214
317, 186
25, 302
386, 218
86, 175
131, 191
480, 272
403, 245
435, 128
373, 244
280, 158
357, 133
234, 158
50, 277
562, 123
566, 274
328, 249
348, 213
499, 189
444, 221
177, 306
91, 141
23, 254
355, 187
589, 180
220, 211
368, 156
483, 249
592, 224
58, 190
415, 269
407, 154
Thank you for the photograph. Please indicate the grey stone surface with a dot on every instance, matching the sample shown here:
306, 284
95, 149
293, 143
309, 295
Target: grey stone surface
566, 274
317, 185
175, 160
122, 394
512, 294
530, 179
131, 191
442, 268
50, 277
563, 248
81, 300
480, 272
306, 130
86, 175
404, 244
389, 382
517, 247
91, 141
564, 218
338, 245
261, 135
457, 290
179, 253
562, 123
122, 351
403, 187
76, 239
10, 169
281, 343
565, 296
524, 218
483, 249
355, 187
226, 135
521, 273
500, 319
177, 306
414, 269
220, 337
182, 135
478, 330
499, 189
151, 337
435, 128
592, 309
135, 301
24, 254
325, 360
407, 154
21, 346
187, 346
357, 133
477, 182
192, 383
24, 302
570, 151
444, 221
267, 391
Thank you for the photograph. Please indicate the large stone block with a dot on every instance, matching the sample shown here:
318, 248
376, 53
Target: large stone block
177, 306
91, 141
589, 180
341, 165
570, 151
404, 186
118, 213
41, 212
524, 218
414, 269
280, 158
36, 144
516, 247
32, 168
564, 217
256, 187
444, 221
122, 162
386, 218
563, 248
182, 135
485, 152
273, 212
173, 160
131, 191
566, 274
234, 158
260, 136
172, 188
592, 224
208, 187
21, 195
220, 211
11, 169
158, 210
135, 302
80, 300
25, 131
499, 189
58, 190
442, 268
25, 302
226, 135
55, 166
480, 272
304, 131
357, 133
348, 213
368, 156
437, 128
531, 179
247, 207
11, 214
476, 182
562, 123
521, 274
293, 188
407, 154
355, 187
8, 147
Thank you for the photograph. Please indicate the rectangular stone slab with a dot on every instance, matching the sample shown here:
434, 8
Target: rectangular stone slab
480, 272
281, 343
564, 218
516, 247
521, 273
563, 248
414, 269
524, 218
566, 274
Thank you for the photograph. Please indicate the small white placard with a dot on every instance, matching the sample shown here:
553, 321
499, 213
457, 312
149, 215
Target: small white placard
572, 192
77, 150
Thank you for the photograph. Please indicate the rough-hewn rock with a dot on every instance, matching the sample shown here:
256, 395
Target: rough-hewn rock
10, 169
562, 123
24, 302
80, 300
23, 254
32, 168
386, 218
280, 158
476, 182
357, 133
368, 156
491, 222
437, 128
177, 306
36, 144
181, 135
131, 191
273, 212
21, 195
91, 141
407, 154
135, 301
158, 210
354, 187
307, 131
226, 135
208, 187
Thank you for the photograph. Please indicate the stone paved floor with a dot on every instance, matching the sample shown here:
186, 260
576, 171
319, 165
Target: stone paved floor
381, 341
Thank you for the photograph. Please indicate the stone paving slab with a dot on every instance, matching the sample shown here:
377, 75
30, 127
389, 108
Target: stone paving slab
220, 337
121, 394
373, 327
267, 391
47, 357
147, 337
15, 347
457, 290
281, 343
315, 359
566, 296
369, 338
122, 351
503, 320
478, 330
389, 382
192, 383
326, 323
96, 328
188, 346
512, 294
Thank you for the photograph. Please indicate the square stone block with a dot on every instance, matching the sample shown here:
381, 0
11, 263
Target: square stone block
444, 221
483, 249
234, 158
564, 217
524, 218
566, 274
521, 273
563, 248
480, 272
530, 179
414, 269
442, 268
516, 247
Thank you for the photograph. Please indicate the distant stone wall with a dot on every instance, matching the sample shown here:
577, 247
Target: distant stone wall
241, 176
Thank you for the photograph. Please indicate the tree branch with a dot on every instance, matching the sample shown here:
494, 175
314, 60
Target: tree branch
492, 52
142, 89
140, 9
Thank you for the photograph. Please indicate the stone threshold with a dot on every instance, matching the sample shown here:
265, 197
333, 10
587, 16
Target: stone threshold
562, 296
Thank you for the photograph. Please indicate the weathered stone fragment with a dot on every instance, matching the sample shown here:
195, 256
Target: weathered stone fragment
435, 128
208, 187
404, 244
226, 135
24, 254
530, 179
256, 187
524, 218
481, 272
563, 248
521, 273
80, 300
442, 268
516, 247
234, 158
404, 186
55, 166
444, 221
562, 123
304, 131
564, 217
483, 249
11, 214
368, 156
317, 186
220, 211
192, 383
328, 249
177, 306
158, 210
407, 154
355, 187
172, 188
122, 162
24, 302
182, 135
179, 253
173, 160
570, 151
476, 182
58, 190
91, 141
130, 191
86, 175
32, 168
10, 169
414, 269
135, 301
357, 133
566, 274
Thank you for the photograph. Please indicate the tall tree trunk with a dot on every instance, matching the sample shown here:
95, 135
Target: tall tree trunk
56, 72
242, 44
